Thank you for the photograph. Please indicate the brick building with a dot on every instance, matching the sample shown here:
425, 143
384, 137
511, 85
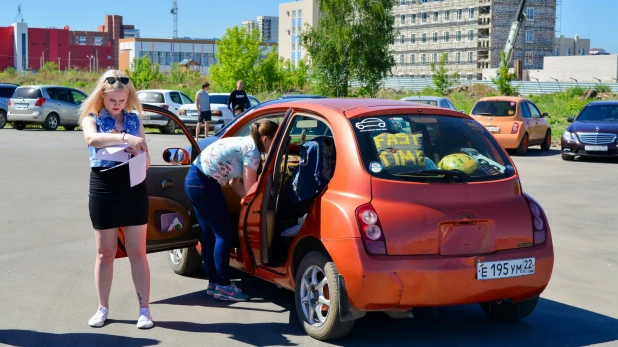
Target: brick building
25, 48
471, 32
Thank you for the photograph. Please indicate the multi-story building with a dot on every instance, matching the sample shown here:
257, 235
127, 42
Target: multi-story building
564, 46
293, 16
268, 28
249, 25
164, 52
471, 33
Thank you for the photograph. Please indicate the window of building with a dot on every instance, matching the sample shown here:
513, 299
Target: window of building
435, 37
569, 51
403, 19
423, 38
446, 36
300, 13
424, 1
414, 18
412, 59
470, 57
402, 59
81, 40
294, 31
446, 57
529, 58
471, 35
98, 41
458, 57
424, 17
413, 38
557, 52
436, 16
529, 36
583, 51
423, 58
458, 35
293, 14
447, 15
471, 13
293, 47
459, 14
434, 58
402, 39
530, 13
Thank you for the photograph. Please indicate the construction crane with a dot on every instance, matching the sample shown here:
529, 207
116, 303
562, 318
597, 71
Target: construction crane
174, 11
515, 28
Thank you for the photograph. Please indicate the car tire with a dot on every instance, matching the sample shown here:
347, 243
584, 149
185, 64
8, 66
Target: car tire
18, 125
568, 157
51, 122
506, 311
69, 127
185, 261
522, 149
2, 119
169, 128
546, 145
319, 268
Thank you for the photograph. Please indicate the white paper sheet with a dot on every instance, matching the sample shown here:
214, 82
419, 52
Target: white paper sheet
137, 168
113, 153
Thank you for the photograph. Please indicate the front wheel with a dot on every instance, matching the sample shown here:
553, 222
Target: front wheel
317, 296
546, 145
185, 261
506, 311
522, 149
51, 122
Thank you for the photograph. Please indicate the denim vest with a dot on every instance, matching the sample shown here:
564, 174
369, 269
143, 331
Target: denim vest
107, 124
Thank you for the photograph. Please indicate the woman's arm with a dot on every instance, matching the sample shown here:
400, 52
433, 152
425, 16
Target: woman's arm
96, 139
249, 179
142, 134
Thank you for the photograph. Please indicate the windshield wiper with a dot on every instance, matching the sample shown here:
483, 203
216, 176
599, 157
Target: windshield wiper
452, 175
483, 114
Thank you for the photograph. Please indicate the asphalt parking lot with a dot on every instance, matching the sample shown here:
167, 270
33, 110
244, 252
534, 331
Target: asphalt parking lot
47, 257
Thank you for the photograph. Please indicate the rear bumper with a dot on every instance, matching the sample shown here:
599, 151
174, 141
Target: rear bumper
509, 141
35, 117
404, 282
579, 149
191, 121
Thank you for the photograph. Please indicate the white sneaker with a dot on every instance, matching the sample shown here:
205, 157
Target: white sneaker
145, 320
99, 318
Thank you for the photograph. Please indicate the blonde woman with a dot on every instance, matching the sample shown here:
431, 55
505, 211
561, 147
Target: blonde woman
107, 119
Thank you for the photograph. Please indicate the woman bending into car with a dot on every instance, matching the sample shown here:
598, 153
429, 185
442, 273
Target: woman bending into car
107, 119
226, 161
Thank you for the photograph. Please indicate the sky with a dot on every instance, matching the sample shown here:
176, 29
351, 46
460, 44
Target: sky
590, 19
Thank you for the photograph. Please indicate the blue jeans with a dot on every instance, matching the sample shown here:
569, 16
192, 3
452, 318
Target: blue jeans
211, 210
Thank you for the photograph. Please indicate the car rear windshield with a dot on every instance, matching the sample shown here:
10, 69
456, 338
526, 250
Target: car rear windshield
151, 97
6, 92
599, 113
495, 108
27, 93
218, 99
429, 148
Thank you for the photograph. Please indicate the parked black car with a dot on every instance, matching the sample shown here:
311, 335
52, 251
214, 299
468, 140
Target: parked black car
594, 133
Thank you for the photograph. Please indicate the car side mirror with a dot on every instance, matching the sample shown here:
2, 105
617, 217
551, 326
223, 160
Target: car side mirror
571, 119
176, 156
545, 115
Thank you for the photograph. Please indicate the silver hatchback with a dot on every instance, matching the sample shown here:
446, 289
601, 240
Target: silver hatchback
49, 106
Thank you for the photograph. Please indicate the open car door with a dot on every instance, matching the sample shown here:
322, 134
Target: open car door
171, 223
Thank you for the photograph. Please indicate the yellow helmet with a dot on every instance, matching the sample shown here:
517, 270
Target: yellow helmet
459, 161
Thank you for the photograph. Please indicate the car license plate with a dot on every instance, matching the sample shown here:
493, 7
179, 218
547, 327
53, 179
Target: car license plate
21, 106
596, 148
493, 129
504, 269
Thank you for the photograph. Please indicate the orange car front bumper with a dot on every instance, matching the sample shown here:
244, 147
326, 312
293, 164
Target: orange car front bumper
509, 141
403, 282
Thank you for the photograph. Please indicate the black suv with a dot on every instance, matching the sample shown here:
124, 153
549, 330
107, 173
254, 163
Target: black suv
6, 92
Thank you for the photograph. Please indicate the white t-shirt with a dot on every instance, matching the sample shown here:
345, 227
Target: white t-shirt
225, 158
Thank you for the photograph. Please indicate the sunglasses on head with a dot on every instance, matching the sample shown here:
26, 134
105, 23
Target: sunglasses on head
112, 80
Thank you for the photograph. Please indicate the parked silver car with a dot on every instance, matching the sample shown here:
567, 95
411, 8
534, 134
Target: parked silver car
168, 99
6, 91
439, 101
49, 106
221, 115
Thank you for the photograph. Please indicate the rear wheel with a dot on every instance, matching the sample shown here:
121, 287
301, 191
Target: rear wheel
69, 127
317, 296
51, 122
18, 125
2, 119
546, 145
568, 157
169, 128
185, 261
506, 311
522, 149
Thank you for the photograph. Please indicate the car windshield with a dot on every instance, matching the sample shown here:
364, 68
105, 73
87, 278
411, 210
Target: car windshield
599, 113
151, 97
27, 93
423, 101
429, 148
495, 108
218, 99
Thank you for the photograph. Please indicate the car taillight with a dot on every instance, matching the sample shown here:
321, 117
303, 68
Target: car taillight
181, 112
371, 230
9, 102
39, 102
515, 128
217, 113
539, 221
165, 106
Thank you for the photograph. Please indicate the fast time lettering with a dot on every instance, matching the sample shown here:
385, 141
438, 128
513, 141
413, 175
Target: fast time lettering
400, 149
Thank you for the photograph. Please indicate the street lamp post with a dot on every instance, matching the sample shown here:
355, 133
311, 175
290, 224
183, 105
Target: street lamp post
537, 82
598, 79
571, 78
555, 79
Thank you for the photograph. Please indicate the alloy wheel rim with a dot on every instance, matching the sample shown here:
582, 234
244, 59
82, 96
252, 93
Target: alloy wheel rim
53, 122
176, 256
315, 296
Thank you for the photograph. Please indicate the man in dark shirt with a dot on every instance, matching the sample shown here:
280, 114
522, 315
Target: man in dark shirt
238, 100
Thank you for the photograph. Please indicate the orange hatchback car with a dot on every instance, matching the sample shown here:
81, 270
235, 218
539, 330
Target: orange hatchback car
420, 207
516, 122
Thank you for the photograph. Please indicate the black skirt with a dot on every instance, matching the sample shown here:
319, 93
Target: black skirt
113, 202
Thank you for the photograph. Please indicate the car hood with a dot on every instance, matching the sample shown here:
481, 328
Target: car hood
593, 127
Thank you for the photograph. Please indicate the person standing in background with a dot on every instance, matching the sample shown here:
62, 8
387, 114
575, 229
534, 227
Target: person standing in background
238, 99
202, 102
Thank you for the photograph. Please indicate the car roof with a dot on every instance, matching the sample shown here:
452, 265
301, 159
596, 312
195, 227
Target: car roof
44, 86
503, 98
160, 90
423, 97
301, 96
9, 85
603, 103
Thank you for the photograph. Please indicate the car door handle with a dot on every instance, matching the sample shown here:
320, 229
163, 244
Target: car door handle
257, 211
167, 184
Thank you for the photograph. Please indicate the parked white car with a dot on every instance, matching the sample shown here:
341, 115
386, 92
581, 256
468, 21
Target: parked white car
221, 115
171, 100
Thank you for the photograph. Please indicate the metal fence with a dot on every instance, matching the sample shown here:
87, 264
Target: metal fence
524, 87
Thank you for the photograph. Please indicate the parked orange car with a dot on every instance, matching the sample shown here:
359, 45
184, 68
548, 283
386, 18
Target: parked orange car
516, 122
429, 212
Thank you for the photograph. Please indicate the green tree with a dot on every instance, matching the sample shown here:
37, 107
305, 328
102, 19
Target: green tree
142, 73
238, 53
440, 76
49, 66
504, 77
351, 43
268, 76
